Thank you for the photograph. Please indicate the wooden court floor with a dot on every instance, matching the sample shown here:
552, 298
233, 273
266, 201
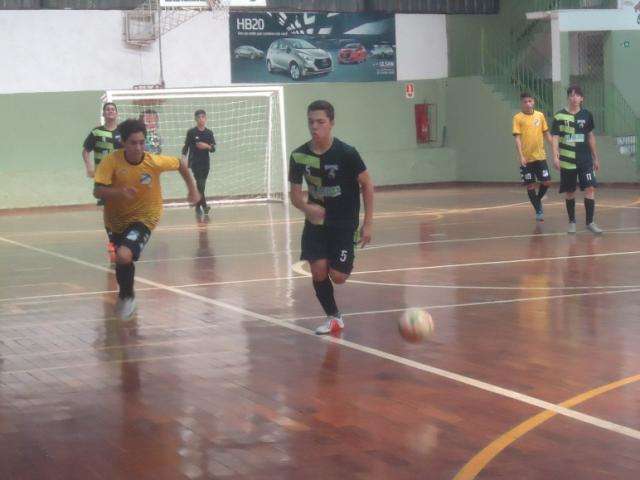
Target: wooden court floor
532, 372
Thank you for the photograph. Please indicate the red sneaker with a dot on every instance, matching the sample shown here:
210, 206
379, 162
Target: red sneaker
111, 251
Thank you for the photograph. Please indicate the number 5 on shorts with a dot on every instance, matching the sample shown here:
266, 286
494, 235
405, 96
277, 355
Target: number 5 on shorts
343, 256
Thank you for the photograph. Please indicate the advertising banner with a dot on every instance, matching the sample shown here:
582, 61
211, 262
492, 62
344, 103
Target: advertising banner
277, 47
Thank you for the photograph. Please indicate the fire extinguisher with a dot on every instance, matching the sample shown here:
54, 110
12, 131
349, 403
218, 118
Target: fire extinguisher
422, 123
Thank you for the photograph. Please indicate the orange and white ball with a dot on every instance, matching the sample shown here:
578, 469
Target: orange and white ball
415, 325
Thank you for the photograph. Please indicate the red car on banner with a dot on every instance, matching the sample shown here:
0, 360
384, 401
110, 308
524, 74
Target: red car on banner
352, 53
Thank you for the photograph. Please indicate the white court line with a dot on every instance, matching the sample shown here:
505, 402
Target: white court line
303, 274
262, 223
470, 304
497, 262
390, 245
589, 419
479, 287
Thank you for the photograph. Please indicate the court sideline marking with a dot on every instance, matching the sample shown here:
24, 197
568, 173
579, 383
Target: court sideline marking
591, 420
474, 466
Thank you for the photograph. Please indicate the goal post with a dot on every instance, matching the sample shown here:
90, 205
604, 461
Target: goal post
250, 162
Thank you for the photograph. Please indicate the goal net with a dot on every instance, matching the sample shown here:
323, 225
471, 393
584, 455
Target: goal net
249, 163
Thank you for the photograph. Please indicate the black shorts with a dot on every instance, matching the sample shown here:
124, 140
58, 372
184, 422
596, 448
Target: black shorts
336, 244
134, 237
569, 177
537, 171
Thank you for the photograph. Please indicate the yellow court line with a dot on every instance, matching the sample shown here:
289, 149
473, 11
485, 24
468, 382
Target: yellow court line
481, 459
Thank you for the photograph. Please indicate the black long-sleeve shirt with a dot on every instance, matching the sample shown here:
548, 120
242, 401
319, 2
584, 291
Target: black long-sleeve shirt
199, 159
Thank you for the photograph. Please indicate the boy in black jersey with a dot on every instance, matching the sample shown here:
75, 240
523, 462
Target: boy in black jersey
575, 155
200, 142
334, 173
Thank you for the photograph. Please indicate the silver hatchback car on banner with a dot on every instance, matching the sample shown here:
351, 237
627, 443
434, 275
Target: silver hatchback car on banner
298, 57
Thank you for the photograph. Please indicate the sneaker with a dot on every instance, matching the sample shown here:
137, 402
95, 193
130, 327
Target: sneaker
126, 307
206, 210
572, 227
593, 228
331, 325
111, 251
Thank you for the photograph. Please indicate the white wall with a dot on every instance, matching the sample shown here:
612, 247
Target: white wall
421, 46
75, 50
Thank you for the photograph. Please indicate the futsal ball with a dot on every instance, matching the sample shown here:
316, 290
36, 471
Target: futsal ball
415, 325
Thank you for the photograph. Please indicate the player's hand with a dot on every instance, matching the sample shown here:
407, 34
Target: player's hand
365, 235
523, 161
556, 163
203, 146
596, 164
193, 197
315, 214
128, 193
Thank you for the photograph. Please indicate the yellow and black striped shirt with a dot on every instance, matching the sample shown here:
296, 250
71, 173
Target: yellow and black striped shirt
102, 142
573, 130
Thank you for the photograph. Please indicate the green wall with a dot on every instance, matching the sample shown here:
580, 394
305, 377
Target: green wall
622, 65
379, 121
480, 131
40, 155
41, 163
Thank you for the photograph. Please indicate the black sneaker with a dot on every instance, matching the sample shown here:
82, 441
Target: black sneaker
206, 210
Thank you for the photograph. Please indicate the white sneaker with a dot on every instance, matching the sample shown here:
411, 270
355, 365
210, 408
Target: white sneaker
331, 325
593, 228
126, 307
572, 227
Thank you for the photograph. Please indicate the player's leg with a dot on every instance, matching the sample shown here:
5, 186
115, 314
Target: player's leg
201, 183
544, 179
315, 250
568, 179
131, 243
529, 181
588, 184
111, 246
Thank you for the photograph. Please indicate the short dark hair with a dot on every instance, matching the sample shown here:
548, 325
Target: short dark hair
322, 105
104, 107
200, 112
131, 126
148, 111
524, 95
575, 89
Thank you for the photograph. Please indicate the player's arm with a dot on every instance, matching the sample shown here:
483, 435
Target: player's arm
193, 195
187, 143
313, 212
103, 189
591, 140
107, 192
207, 146
555, 143
87, 147
366, 186
555, 147
88, 164
518, 139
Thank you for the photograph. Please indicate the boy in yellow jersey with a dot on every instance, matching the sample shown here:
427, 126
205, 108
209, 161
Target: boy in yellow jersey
529, 130
128, 180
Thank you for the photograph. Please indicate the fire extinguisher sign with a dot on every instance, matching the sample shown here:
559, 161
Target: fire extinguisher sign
409, 90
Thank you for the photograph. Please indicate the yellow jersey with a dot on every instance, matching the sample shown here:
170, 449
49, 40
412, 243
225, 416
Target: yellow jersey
531, 127
144, 177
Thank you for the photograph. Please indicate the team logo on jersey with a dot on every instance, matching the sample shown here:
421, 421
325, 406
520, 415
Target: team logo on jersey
145, 179
581, 123
331, 169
